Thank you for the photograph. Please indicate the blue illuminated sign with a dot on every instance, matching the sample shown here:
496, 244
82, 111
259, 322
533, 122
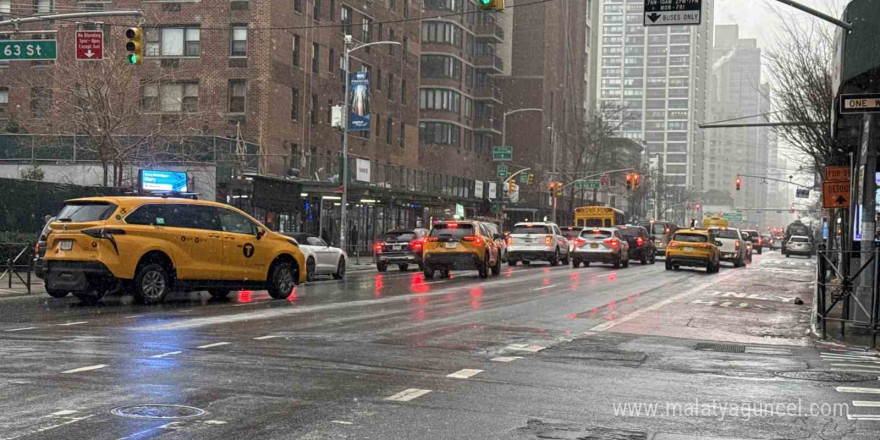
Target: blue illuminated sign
170, 181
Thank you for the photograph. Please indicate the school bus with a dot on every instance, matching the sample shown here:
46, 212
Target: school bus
598, 216
714, 222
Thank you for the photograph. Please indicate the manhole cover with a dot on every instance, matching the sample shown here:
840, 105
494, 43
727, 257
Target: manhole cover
158, 411
726, 348
826, 376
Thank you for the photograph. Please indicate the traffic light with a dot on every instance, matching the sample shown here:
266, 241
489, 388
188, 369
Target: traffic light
559, 191
637, 180
697, 207
491, 5
629, 181
135, 45
791, 209
739, 182
531, 179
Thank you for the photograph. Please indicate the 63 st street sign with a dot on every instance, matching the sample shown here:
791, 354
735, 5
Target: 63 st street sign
672, 12
90, 45
30, 50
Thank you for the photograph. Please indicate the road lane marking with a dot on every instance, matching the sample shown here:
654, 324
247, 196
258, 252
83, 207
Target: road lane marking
531, 348
853, 370
65, 412
170, 353
464, 373
505, 358
863, 366
545, 287
216, 344
407, 395
850, 358
20, 329
858, 390
133, 316
260, 338
74, 323
341, 422
90, 368
868, 403
655, 306
866, 417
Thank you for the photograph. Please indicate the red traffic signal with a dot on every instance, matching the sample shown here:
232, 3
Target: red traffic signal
739, 182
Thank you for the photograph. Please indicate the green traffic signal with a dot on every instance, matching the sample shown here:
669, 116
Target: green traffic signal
132, 58
485, 2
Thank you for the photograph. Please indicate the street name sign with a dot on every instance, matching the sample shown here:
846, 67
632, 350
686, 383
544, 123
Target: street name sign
860, 103
673, 12
30, 50
503, 171
90, 45
500, 153
802, 193
587, 184
524, 178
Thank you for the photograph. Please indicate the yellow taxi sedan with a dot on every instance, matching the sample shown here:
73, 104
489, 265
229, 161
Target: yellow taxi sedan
694, 248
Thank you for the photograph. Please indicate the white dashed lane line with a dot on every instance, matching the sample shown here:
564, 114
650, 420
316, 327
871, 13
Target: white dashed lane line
407, 395
858, 390
464, 374
545, 287
90, 368
867, 403
20, 329
341, 422
170, 353
73, 323
261, 338
505, 358
216, 344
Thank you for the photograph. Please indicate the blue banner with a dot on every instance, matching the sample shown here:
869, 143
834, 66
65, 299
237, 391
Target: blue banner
359, 104
154, 180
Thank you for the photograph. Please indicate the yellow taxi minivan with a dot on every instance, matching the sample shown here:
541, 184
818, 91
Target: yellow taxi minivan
461, 244
155, 245
695, 248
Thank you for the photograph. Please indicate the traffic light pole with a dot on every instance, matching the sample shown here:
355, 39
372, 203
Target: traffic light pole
17, 21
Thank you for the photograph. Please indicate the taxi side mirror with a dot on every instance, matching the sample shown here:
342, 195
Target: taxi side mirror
260, 233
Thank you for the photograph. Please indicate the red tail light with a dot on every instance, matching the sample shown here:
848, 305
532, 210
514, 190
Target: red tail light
509, 240
473, 238
106, 233
613, 242
416, 245
639, 241
379, 247
736, 244
578, 242
760, 241
672, 244
548, 240
37, 249
703, 245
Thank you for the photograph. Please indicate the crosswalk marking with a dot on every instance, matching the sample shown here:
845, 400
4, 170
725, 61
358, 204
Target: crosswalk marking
407, 395
866, 417
505, 358
862, 366
868, 403
170, 353
464, 374
858, 390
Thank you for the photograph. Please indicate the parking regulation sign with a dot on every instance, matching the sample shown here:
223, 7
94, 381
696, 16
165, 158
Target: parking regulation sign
673, 12
90, 45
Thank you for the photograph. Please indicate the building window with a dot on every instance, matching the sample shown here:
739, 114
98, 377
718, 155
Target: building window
313, 113
294, 104
330, 61
402, 133
43, 6
379, 78
332, 9
441, 99
329, 111
388, 123
439, 133
237, 95
41, 101
441, 66
345, 16
366, 30
295, 60
316, 12
438, 32
390, 86
391, 38
403, 91
444, 5
170, 97
316, 57
172, 42
4, 102
5, 7
378, 124
238, 48
297, 6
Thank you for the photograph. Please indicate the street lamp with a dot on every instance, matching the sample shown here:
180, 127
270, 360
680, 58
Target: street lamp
504, 121
345, 112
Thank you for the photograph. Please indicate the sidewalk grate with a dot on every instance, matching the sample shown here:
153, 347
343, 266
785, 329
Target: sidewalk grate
724, 348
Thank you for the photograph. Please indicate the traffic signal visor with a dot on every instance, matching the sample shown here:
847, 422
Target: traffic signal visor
491, 5
135, 45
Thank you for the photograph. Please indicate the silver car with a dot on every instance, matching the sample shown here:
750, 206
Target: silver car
600, 245
798, 245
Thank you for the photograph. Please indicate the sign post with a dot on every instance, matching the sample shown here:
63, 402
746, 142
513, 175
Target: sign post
89, 45
672, 12
502, 153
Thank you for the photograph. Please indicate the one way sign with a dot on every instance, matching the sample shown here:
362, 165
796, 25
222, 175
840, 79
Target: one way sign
89, 45
672, 12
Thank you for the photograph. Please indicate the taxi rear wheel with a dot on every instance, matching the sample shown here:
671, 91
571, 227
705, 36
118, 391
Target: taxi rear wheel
668, 264
152, 283
575, 263
57, 293
483, 267
428, 272
496, 269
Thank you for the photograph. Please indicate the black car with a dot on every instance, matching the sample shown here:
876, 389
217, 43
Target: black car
641, 247
401, 247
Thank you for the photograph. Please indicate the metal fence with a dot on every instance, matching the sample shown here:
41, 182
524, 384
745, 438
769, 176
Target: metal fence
847, 291
18, 259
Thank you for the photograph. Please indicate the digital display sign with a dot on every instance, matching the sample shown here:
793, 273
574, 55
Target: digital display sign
163, 181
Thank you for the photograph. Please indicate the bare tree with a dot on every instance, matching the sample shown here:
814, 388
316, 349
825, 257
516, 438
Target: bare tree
115, 109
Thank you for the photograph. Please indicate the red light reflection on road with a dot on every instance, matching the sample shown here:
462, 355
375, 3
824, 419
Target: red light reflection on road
546, 270
545, 281
418, 284
476, 292
612, 276
572, 316
475, 304
508, 273
611, 305
379, 284
418, 315
292, 297
244, 296
575, 275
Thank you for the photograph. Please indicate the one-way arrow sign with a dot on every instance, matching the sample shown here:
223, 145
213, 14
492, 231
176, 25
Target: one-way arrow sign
673, 12
90, 45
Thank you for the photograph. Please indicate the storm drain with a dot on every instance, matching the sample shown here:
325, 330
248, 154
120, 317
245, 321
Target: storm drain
826, 376
724, 348
158, 411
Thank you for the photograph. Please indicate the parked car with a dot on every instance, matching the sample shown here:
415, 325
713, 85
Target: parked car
732, 245
600, 245
756, 239
40, 254
799, 245
158, 245
641, 247
464, 244
694, 247
661, 232
537, 241
401, 247
321, 258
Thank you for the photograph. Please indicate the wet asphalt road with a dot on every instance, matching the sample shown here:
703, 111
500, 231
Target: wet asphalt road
538, 352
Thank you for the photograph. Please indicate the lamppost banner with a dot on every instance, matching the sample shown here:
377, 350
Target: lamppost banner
359, 107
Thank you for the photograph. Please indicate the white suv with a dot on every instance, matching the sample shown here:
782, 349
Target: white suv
733, 247
537, 241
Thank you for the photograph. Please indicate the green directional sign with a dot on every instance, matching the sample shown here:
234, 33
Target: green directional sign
16, 50
502, 153
503, 171
733, 216
587, 184
524, 178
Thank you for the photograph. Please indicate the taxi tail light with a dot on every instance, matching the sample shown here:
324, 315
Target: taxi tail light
760, 241
672, 244
509, 241
613, 242
703, 245
548, 240
416, 245
105, 234
473, 238
37, 249
639, 241
431, 239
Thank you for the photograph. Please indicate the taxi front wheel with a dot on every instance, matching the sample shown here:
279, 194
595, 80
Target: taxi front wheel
496, 269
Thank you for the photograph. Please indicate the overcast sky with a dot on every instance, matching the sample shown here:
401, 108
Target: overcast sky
759, 18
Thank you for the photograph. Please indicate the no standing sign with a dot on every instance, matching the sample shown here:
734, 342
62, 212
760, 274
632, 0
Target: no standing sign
89, 45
